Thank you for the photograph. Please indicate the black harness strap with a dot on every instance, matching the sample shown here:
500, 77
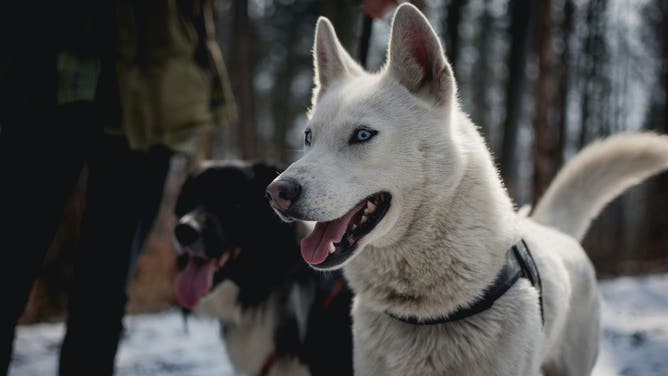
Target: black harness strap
519, 264
530, 271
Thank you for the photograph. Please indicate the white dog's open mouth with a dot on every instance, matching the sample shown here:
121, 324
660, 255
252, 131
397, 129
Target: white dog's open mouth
331, 243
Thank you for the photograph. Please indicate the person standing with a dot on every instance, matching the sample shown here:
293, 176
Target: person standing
119, 86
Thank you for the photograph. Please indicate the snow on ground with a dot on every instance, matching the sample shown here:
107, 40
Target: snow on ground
155, 344
634, 340
635, 327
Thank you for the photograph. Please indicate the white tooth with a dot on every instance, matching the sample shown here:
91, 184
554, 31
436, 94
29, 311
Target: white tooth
353, 227
364, 218
332, 248
371, 206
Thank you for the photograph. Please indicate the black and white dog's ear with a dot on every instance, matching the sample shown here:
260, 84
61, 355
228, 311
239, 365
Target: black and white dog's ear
186, 197
416, 58
331, 62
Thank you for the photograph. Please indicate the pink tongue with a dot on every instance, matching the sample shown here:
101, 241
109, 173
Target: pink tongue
194, 282
315, 247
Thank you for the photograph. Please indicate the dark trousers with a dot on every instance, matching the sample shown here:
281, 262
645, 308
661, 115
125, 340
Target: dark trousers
123, 194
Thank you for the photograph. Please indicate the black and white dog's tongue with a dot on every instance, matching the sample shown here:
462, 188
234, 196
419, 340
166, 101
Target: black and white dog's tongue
194, 282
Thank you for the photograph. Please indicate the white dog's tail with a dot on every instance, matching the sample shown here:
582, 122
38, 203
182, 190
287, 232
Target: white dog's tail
597, 175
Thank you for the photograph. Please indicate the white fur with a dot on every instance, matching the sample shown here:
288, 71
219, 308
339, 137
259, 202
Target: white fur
249, 334
451, 221
597, 175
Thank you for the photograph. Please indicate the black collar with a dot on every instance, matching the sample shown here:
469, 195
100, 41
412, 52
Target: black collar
519, 264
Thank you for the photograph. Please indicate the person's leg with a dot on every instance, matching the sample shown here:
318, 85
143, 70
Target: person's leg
154, 176
41, 155
97, 300
123, 196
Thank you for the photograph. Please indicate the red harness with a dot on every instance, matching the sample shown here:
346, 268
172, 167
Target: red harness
272, 358
333, 294
268, 363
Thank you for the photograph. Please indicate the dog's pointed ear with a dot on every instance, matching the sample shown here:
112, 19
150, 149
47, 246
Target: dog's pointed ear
331, 62
416, 57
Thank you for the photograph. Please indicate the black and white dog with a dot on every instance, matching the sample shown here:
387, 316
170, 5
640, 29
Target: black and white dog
240, 264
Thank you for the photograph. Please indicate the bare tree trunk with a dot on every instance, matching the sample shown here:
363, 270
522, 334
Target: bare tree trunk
243, 78
282, 93
452, 31
587, 63
520, 21
345, 17
482, 73
365, 38
664, 63
658, 192
604, 241
594, 49
545, 148
564, 77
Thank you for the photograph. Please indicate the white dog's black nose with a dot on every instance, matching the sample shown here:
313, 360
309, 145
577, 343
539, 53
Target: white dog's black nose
283, 193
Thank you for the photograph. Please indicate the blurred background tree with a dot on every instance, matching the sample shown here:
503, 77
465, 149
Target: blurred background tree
540, 78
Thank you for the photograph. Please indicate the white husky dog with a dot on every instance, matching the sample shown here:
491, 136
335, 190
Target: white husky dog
409, 203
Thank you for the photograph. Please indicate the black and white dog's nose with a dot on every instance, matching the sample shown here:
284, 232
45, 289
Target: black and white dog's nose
186, 234
283, 193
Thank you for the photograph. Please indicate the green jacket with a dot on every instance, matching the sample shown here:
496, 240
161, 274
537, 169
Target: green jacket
169, 77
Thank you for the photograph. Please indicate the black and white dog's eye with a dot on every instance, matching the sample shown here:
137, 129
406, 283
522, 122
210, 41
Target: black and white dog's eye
361, 135
307, 137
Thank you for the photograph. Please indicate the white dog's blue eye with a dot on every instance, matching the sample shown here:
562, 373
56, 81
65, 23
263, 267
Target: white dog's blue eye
307, 137
362, 135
